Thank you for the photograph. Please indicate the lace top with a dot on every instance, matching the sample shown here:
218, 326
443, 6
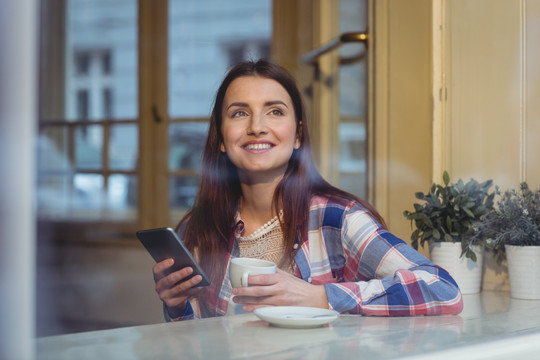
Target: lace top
265, 243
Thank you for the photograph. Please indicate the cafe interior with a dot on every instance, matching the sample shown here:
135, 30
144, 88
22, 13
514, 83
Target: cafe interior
112, 100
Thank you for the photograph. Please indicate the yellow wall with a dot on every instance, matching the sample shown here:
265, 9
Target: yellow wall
457, 85
403, 108
493, 81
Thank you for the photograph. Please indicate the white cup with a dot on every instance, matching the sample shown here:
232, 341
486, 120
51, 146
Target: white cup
241, 268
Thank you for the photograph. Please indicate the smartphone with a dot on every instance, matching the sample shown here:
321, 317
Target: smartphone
164, 243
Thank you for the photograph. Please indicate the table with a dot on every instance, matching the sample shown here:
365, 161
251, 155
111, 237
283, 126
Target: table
492, 326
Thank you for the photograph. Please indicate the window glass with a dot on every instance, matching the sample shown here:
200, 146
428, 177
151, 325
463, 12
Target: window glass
123, 144
353, 100
122, 197
53, 149
88, 109
101, 56
89, 195
53, 196
89, 147
186, 145
205, 39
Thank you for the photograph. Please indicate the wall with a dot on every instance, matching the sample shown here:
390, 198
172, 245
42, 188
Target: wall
492, 114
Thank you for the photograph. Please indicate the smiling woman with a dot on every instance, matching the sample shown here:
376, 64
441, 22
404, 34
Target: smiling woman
260, 189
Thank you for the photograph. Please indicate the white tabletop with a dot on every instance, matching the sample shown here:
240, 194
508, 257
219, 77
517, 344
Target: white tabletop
492, 326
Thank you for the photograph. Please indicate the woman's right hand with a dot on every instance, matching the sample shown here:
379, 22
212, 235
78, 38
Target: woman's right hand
172, 288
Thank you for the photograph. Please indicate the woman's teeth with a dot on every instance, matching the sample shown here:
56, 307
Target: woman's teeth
258, 146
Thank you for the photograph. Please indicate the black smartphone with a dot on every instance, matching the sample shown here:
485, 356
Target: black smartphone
164, 243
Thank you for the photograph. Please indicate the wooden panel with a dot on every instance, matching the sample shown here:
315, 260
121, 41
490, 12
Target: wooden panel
404, 126
484, 90
532, 92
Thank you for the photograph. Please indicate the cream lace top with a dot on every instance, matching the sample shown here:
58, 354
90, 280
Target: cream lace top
265, 243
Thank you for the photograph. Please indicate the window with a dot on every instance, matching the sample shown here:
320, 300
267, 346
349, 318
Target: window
88, 138
97, 155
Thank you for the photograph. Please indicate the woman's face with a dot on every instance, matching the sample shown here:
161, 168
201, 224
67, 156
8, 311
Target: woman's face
258, 128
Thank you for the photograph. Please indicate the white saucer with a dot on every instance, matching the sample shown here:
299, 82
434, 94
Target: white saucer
296, 317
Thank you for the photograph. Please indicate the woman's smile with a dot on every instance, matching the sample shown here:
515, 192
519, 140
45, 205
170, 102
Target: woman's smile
258, 147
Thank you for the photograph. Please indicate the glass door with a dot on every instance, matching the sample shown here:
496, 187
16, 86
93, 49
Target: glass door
353, 100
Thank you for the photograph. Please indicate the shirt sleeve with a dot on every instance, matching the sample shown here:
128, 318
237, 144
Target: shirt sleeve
188, 314
386, 277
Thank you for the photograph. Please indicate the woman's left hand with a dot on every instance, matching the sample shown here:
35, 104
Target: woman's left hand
279, 289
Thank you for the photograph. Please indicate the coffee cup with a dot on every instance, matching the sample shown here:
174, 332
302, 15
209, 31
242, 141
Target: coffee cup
241, 268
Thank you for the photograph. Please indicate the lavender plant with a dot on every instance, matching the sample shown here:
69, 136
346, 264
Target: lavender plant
516, 221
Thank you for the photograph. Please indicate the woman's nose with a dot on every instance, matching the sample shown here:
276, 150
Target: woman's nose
257, 125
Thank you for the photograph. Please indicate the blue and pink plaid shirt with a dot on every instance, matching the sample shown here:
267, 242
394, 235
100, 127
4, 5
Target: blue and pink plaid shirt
365, 269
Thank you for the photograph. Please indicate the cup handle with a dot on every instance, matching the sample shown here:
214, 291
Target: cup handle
244, 280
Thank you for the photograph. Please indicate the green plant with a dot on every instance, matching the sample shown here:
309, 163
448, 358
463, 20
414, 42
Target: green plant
451, 212
515, 221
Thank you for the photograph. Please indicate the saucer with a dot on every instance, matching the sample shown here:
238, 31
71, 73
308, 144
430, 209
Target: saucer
296, 317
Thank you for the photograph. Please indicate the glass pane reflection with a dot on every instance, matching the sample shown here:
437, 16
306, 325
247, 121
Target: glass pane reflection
182, 192
101, 55
89, 146
353, 101
89, 192
53, 196
186, 145
123, 144
122, 197
205, 39
53, 145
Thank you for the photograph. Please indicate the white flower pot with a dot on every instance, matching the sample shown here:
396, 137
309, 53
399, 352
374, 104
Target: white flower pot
524, 271
467, 273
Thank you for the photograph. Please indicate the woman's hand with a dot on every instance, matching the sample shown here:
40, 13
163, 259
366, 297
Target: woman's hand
279, 289
173, 289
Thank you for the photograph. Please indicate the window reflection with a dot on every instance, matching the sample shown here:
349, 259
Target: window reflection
88, 130
353, 101
89, 145
88, 192
123, 145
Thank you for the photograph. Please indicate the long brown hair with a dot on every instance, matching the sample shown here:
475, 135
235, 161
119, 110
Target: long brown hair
210, 223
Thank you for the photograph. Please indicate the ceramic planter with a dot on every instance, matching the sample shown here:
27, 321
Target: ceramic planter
524, 271
467, 273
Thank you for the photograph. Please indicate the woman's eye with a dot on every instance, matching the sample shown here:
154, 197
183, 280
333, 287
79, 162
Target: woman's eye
276, 112
239, 113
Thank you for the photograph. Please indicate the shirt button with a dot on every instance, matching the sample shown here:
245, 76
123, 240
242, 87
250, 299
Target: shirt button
309, 279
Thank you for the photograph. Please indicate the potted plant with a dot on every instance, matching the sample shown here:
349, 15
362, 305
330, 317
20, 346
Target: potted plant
513, 231
447, 220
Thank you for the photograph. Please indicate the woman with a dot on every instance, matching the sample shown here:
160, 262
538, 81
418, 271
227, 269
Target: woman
261, 196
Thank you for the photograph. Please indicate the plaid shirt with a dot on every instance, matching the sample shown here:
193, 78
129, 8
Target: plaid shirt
364, 268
